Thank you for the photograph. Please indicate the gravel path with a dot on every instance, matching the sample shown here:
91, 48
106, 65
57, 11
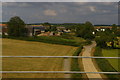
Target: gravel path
88, 63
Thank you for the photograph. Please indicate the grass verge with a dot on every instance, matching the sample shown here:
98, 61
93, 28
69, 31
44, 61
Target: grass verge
104, 65
75, 64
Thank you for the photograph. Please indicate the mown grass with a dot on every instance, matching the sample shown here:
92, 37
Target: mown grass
112, 53
104, 65
13, 47
75, 64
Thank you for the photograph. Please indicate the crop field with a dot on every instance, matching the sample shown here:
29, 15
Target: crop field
112, 53
25, 48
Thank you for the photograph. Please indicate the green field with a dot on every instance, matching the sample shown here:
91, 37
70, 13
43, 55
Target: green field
13, 47
112, 53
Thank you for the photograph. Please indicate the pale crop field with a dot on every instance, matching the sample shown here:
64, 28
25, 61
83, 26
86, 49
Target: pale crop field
27, 48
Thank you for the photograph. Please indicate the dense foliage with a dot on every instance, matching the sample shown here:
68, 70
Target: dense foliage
16, 27
85, 30
106, 38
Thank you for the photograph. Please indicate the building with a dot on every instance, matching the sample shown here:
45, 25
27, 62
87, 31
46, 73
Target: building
60, 28
35, 29
4, 29
103, 28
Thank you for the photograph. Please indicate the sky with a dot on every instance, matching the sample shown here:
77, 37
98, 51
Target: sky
62, 12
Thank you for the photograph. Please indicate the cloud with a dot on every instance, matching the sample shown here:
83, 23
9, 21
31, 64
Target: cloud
60, 0
81, 3
92, 8
50, 12
16, 4
62, 12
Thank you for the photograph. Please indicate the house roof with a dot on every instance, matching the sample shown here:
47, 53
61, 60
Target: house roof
3, 25
103, 27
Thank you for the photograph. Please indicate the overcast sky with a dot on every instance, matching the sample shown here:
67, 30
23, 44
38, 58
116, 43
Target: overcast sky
62, 12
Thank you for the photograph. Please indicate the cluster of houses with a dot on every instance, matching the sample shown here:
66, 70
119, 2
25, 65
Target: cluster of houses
38, 30
103, 28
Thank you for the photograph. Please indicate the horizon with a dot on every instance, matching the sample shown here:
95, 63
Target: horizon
64, 23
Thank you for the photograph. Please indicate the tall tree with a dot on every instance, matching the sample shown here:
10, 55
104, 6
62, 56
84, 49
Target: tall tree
16, 27
85, 30
114, 28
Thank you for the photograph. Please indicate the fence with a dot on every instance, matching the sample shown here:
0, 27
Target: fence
65, 59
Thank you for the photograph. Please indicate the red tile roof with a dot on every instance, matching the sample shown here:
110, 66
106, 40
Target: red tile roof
3, 25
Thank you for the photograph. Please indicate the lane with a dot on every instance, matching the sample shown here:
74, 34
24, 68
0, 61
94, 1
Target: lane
88, 63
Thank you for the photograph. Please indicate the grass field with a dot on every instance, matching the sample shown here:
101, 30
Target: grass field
112, 53
105, 65
25, 48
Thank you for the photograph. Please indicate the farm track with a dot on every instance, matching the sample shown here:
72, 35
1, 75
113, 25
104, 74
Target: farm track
88, 63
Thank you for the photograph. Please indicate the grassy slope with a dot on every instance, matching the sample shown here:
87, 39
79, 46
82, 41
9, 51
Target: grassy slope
112, 53
25, 48
104, 65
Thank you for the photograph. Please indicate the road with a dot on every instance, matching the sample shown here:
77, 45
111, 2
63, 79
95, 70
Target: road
88, 64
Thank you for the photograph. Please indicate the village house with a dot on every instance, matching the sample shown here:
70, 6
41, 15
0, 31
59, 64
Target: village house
63, 30
4, 29
103, 28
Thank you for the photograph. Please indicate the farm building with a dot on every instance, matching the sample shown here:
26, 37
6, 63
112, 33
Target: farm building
35, 29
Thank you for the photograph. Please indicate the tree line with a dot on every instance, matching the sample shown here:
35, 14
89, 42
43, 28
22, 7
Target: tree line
16, 28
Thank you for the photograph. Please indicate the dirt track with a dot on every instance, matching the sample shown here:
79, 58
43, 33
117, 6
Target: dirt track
88, 63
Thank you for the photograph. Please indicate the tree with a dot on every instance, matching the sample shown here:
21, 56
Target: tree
89, 26
114, 28
85, 30
16, 27
53, 28
104, 38
118, 33
47, 25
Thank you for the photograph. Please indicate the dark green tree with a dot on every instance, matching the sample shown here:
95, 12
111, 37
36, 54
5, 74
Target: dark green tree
103, 38
117, 33
47, 26
114, 28
85, 30
53, 28
16, 27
